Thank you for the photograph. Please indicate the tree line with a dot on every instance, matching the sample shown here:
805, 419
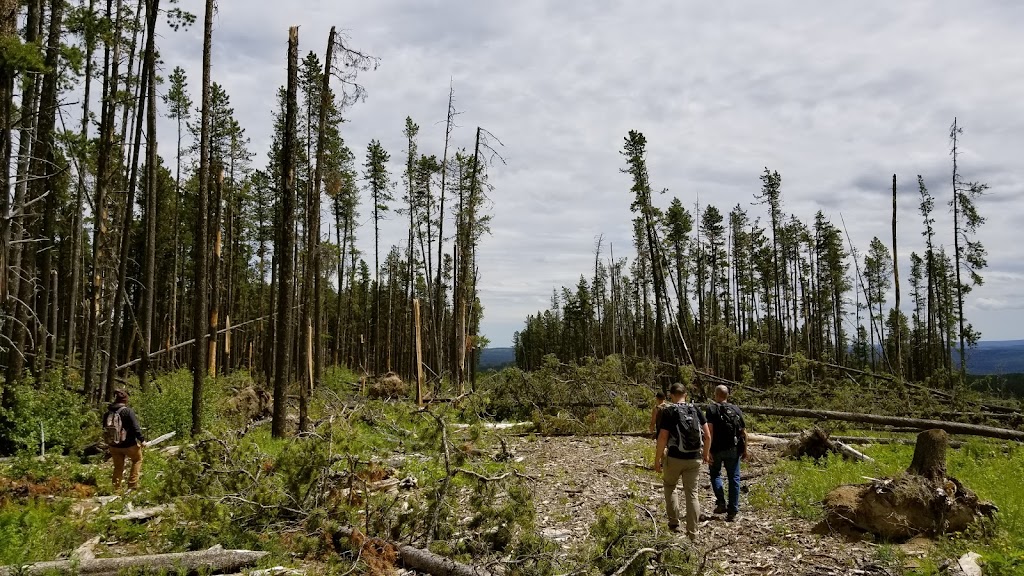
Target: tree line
119, 262
734, 294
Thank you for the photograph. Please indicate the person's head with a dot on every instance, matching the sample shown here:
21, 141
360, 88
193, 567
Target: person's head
659, 397
120, 397
721, 393
677, 391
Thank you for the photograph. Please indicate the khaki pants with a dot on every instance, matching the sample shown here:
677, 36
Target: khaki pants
133, 453
687, 471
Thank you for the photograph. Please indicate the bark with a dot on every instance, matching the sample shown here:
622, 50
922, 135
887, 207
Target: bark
930, 455
199, 320
284, 328
214, 324
898, 328
45, 173
149, 283
8, 29
950, 427
213, 560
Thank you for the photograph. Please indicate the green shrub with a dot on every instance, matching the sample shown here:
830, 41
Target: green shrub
49, 407
167, 407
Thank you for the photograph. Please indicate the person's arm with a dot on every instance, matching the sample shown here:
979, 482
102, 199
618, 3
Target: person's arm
136, 426
707, 444
659, 451
654, 419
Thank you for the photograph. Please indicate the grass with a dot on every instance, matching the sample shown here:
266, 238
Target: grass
994, 471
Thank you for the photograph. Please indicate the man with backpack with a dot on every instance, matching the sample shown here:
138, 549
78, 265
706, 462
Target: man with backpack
123, 436
728, 447
684, 434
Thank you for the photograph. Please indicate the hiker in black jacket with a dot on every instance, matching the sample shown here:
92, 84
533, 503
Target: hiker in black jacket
728, 447
123, 435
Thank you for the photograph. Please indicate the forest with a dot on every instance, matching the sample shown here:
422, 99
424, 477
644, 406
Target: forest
312, 408
120, 262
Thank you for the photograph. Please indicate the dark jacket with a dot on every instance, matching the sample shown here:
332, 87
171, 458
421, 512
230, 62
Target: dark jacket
130, 423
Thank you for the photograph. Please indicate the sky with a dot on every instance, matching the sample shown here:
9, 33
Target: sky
836, 97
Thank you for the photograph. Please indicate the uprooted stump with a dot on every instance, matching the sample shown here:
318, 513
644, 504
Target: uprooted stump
813, 444
389, 386
920, 501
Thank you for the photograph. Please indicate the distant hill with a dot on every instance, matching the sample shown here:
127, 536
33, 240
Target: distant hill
990, 357
995, 357
497, 358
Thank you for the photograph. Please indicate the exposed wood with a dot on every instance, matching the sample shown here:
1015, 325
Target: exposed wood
850, 452
213, 560
143, 513
950, 427
419, 354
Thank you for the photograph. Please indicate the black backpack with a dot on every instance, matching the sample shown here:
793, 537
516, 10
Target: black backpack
730, 423
688, 437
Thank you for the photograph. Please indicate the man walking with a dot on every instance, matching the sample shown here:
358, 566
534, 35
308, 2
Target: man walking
728, 447
684, 432
123, 436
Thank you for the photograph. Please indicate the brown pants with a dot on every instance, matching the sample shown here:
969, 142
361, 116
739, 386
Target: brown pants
133, 453
687, 471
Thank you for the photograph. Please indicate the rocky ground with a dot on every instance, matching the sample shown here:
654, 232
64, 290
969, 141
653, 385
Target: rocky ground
579, 475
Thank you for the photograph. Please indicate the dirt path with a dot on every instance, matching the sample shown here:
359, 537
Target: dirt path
579, 475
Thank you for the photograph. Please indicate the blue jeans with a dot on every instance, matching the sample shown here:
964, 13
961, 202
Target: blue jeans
731, 460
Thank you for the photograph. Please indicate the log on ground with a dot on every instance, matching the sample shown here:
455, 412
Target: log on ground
920, 424
215, 559
410, 557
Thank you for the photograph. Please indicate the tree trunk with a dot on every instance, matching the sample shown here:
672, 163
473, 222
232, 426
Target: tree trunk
930, 455
284, 328
199, 319
213, 560
898, 328
149, 283
411, 558
214, 320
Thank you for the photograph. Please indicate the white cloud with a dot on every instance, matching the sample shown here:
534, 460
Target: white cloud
835, 97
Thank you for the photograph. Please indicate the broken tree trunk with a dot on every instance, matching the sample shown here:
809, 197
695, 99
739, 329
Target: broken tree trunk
412, 558
215, 559
920, 501
920, 424
930, 455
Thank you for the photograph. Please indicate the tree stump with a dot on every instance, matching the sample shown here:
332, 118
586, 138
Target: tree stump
923, 500
930, 455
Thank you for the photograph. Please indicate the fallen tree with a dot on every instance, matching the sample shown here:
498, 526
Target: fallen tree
922, 500
410, 557
782, 438
920, 424
215, 559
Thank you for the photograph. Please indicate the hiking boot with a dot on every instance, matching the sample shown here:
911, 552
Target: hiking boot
673, 527
721, 508
731, 517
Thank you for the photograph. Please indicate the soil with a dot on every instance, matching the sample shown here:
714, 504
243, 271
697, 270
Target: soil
579, 475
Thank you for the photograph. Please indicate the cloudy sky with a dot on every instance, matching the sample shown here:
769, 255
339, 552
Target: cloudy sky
835, 96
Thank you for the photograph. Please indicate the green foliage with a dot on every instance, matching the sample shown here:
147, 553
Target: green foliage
21, 57
168, 406
51, 404
38, 530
